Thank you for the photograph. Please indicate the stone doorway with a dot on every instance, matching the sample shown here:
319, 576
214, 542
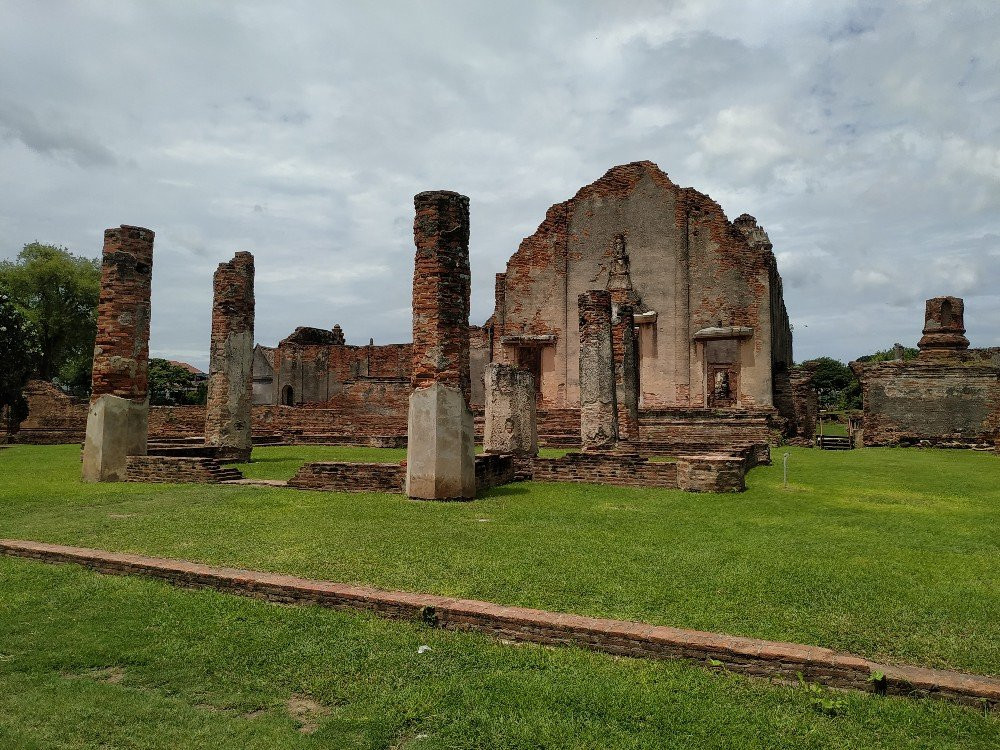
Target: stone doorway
722, 386
288, 396
530, 358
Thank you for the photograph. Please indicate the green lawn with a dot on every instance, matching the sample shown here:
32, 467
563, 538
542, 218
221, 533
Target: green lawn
889, 553
91, 661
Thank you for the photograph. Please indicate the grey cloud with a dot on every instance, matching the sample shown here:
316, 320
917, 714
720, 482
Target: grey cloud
865, 138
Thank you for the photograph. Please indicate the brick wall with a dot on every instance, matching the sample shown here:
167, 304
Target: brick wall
621, 469
950, 400
187, 469
342, 476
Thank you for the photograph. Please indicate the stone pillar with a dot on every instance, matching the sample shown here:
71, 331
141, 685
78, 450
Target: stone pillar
119, 400
944, 326
440, 456
598, 405
511, 424
626, 376
230, 371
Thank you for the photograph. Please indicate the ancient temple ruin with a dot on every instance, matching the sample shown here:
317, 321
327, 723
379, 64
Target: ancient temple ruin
949, 396
705, 294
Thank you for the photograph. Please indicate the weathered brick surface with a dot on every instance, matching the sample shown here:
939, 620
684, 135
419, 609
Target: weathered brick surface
944, 325
949, 402
441, 291
343, 476
121, 352
690, 267
493, 470
797, 401
180, 469
620, 469
230, 385
712, 473
598, 401
750, 656
948, 397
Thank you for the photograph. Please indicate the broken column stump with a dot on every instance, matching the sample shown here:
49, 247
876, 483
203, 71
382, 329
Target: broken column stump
598, 403
230, 372
119, 401
511, 419
440, 456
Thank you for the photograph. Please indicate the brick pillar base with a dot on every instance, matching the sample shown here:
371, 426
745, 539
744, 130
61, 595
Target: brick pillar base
116, 428
441, 464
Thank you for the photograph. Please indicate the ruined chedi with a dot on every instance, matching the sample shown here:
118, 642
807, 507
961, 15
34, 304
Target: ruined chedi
230, 379
119, 401
598, 402
440, 457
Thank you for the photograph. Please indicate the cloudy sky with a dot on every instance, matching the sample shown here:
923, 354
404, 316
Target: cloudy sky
865, 137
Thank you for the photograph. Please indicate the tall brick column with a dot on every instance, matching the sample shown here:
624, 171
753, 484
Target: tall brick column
440, 456
511, 423
230, 371
119, 401
598, 405
626, 375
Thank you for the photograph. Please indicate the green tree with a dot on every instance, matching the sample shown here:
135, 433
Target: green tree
57, 293
835, 383
18, 352
170, 385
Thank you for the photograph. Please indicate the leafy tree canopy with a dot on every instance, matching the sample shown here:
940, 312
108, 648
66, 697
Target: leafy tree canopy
887, 355
57, 293
835, 383
18, 353
170, 385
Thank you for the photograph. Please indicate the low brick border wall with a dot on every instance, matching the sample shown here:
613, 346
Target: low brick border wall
179, 469
345, 476
749, 656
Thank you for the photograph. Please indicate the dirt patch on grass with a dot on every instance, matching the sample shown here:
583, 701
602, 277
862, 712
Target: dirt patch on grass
306, 712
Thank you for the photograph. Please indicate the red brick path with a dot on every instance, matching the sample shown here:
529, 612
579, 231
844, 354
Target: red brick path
745, 655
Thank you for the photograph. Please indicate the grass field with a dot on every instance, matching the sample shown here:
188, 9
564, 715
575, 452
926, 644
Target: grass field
91, 661
892, 554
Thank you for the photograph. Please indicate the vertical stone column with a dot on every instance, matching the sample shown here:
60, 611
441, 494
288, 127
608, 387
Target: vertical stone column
119, 400
440, 456
598, 405
511, 424
626, 376
230, 371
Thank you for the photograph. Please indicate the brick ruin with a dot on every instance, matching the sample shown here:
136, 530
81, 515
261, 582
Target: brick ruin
227, 408
948, 397
693, 328
705, 292
441, 448
119, 402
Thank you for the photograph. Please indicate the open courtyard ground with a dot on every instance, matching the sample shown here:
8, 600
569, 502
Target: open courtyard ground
888, 553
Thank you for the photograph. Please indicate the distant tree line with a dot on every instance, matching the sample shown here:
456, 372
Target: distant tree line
48, 325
